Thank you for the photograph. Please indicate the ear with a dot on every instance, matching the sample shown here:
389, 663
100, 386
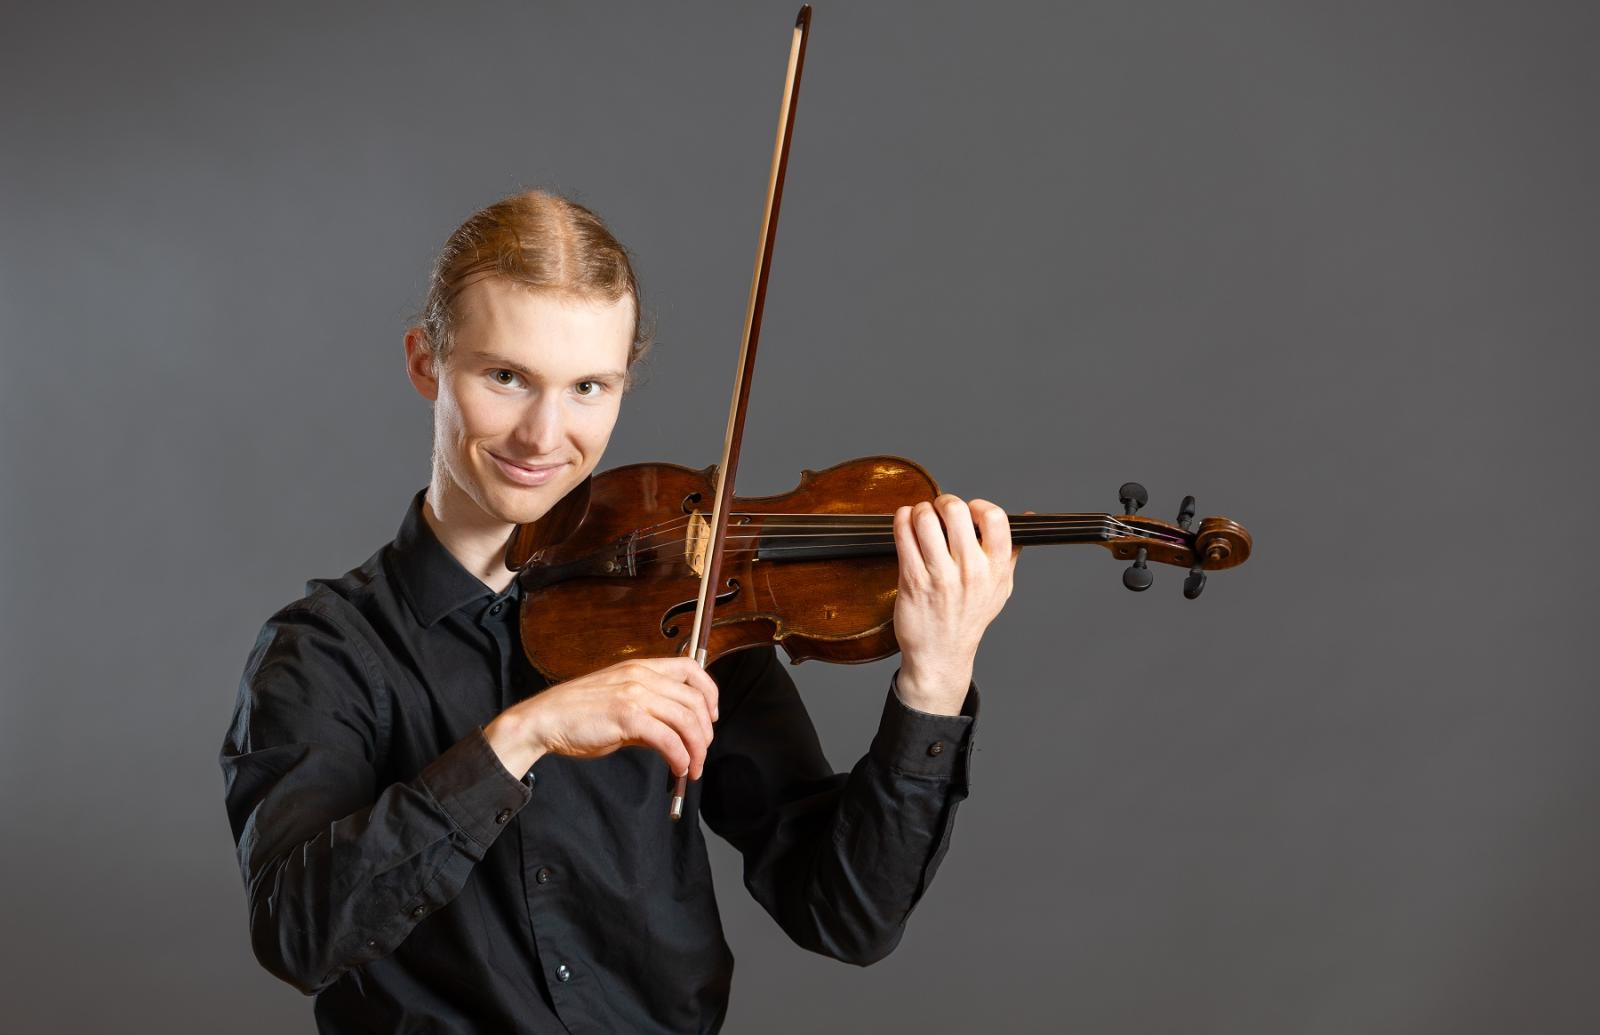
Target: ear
420, 366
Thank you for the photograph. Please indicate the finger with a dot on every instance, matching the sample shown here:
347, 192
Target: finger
689, 672
912, 570
652, 733
686, 695
960, 529
691, 728
930, 542
996, 531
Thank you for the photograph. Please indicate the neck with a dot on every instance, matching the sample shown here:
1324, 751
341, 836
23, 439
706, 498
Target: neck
477, 540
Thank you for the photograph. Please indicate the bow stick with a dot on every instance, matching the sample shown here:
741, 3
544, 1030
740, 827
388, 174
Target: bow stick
711, 577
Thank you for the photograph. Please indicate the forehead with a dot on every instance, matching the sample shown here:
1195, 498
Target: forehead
543, 327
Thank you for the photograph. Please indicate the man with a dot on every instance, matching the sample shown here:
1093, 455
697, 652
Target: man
432, 839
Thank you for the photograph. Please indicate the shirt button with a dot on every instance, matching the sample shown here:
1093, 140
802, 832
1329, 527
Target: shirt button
563, 972
532, 777
418, 912
502, 816
496, 609
936, 748
544, 875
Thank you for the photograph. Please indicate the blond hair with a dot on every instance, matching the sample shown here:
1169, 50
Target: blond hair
537, 239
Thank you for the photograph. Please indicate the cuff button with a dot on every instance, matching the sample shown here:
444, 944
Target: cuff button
936, 748
417, 913
503, 816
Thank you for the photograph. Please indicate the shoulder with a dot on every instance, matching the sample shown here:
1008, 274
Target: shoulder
326, 644
352, 609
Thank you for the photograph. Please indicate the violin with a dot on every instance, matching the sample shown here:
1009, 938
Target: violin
657, 560
613, 571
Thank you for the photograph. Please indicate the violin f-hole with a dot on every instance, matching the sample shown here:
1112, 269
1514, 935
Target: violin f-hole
670, 632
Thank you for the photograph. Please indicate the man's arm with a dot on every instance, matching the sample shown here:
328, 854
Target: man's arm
838, 860
337, 872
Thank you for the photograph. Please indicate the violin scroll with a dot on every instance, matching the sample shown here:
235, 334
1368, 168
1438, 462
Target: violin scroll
1216, 544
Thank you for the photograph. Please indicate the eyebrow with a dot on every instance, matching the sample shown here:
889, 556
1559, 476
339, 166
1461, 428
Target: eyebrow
511, 364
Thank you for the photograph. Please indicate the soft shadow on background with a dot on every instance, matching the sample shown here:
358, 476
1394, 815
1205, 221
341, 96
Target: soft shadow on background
1330, 268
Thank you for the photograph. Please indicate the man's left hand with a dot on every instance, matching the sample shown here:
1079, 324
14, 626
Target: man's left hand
951, 587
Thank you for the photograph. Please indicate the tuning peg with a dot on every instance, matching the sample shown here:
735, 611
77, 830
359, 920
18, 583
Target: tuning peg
1186, 513
1137, 577
1133, 497
1195, 582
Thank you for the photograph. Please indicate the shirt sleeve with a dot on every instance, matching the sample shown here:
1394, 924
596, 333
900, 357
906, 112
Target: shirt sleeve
337, 870
837, 859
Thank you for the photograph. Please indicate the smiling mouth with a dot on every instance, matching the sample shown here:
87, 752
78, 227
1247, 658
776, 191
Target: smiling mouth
526, 474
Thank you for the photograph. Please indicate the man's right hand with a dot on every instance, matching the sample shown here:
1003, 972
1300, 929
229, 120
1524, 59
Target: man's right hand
667, 704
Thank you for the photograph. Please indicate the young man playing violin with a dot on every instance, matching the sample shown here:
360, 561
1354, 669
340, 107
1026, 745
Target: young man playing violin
434, 839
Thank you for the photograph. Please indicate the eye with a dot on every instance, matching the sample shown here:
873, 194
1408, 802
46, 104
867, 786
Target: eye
511, 374
588, 388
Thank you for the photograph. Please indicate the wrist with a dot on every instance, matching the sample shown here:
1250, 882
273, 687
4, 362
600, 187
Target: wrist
511, 736
939, 690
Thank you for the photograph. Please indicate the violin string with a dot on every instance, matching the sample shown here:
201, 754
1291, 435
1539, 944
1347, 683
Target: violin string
790, 551
837, 530
867, 531
668, 530
788, 554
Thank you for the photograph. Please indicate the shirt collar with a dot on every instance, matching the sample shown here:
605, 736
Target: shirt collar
433, 581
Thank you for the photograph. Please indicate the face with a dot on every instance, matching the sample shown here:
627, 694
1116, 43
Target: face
527, 399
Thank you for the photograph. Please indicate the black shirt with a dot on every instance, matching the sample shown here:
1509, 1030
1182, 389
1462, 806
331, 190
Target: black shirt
399, 872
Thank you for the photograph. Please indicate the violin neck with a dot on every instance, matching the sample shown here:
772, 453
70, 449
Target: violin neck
825, 536
1050, 529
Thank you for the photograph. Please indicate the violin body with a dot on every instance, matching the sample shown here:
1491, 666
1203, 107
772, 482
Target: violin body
613, 572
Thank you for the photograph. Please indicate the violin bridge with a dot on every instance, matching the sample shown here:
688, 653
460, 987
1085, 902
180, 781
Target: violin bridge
697, 543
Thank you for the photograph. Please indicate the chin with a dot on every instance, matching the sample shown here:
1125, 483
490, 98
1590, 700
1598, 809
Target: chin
521, 505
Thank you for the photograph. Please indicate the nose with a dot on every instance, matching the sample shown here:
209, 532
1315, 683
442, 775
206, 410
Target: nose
541, 429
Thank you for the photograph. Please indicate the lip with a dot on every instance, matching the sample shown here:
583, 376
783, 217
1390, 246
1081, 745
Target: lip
529, 476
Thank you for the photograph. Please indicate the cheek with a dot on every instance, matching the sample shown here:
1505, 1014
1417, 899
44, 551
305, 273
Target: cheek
592, 427
481, 415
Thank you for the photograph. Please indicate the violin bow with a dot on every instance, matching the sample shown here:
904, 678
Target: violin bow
711, 577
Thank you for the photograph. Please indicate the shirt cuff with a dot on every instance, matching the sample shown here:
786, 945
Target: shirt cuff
920, 743
474, 788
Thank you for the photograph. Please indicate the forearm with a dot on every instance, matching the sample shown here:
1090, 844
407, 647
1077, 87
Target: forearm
846, 888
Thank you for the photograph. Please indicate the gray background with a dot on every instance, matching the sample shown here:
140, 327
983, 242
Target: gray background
1331, 268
